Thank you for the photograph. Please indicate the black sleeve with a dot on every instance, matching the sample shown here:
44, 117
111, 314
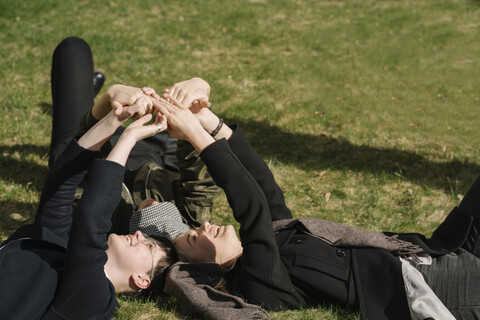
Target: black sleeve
261, 173
265, 280
85, 292
55, 207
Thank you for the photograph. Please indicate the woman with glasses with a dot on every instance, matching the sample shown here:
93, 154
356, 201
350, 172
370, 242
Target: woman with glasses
68, 266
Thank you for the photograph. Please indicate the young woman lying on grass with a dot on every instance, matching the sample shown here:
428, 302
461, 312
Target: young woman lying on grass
71, 267
67, 268
281, 263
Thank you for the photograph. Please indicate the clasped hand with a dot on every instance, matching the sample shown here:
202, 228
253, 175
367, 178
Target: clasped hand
183, 107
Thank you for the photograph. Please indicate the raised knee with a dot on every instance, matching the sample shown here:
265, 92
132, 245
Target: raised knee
72, 44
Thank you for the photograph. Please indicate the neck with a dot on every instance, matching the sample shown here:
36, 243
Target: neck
229, 263
115, 277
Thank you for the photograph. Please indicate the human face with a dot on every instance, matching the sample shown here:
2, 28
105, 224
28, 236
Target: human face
209, 243
135, 253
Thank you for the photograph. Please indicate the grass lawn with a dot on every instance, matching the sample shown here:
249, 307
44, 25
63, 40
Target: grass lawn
366, 111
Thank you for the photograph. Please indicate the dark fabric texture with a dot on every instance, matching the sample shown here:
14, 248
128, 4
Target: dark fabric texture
53, 279
455, 279
470, 204
84, 291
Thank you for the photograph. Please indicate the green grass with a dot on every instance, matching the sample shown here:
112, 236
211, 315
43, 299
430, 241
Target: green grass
366, 111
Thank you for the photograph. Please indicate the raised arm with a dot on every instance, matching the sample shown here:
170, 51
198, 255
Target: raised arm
261, 265
85, 291
254, 164
251, 161
55, 207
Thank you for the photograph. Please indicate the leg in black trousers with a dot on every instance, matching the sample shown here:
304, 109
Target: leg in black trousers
72, 91
470, 205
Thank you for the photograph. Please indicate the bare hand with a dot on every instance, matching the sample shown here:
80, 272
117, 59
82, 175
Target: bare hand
139, 129
191, 93
120, 96
150, 92
182, 124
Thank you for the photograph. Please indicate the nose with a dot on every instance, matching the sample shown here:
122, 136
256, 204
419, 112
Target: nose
204, 227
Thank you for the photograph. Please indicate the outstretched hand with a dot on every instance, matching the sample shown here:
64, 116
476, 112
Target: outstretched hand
193, 93
136, 131
182, 124
118, 96
139, 129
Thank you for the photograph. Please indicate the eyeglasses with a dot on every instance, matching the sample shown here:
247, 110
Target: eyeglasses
153, 247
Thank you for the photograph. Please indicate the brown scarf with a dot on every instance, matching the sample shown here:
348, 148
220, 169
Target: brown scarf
193, 284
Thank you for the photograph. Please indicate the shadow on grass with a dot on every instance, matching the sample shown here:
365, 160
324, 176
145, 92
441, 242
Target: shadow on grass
15, 214
46, 108
318, 152
14, 168
27, 175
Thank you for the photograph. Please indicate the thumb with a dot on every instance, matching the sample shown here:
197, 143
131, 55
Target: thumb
144, 119
116, 104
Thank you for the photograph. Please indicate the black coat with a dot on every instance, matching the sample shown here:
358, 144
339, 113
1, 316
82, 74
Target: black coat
291, 269
54, 269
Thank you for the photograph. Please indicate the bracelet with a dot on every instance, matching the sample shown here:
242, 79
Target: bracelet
217, 129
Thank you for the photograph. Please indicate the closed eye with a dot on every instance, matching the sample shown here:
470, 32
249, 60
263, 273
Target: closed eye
192, 239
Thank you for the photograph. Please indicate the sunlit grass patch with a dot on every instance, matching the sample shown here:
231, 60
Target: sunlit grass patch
367, 112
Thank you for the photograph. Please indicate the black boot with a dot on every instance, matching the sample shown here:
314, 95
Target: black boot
98, 81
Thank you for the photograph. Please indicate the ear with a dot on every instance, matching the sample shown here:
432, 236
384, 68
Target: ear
142, 281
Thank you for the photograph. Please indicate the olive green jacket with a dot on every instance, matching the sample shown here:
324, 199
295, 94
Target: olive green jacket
191, 189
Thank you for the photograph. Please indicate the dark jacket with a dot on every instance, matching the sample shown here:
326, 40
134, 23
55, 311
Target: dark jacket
54, 269
291, 269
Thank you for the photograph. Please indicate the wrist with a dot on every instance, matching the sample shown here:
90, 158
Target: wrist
224, 132
217, 128
201, 140
208, 120
103, 106
127, 140
111, 120
121, 150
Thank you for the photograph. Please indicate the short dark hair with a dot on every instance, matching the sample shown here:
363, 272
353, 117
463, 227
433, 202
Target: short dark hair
161, 269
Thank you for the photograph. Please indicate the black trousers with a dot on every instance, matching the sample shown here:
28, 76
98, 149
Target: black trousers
72, 91
470, 204
455, 277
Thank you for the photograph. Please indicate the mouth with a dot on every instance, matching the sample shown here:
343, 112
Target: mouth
217, 231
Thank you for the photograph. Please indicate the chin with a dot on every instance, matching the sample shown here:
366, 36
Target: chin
230, 230
112, 239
